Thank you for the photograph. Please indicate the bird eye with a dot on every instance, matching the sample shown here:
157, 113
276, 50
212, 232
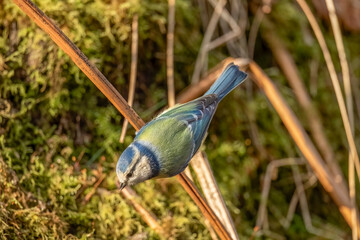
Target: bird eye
130, 174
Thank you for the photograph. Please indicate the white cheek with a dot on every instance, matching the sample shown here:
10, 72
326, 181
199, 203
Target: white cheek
142, 171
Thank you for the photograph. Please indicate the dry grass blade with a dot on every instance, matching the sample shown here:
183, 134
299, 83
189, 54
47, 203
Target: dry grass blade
80, 60
226, 16
303, 141
288, 66
335, 82
267, 183
349, 103
170, 54
170, 62
200, 201
148, 217
223, 39
347, 119
114, 96
196, 90
207, 38
259, 15
199, 162
211, 191
134, 55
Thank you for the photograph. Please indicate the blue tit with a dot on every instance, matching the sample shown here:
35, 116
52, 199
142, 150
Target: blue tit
165, 145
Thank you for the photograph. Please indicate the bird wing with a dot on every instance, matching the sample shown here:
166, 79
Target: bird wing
197, 114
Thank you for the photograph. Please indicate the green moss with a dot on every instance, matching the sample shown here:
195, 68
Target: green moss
59, 134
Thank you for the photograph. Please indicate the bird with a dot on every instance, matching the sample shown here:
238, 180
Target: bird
165, 145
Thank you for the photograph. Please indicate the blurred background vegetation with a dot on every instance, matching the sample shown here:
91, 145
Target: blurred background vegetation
59, 135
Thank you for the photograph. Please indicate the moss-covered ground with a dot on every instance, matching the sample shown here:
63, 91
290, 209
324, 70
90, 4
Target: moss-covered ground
59, 134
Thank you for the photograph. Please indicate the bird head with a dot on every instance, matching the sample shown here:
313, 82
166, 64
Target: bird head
136, 164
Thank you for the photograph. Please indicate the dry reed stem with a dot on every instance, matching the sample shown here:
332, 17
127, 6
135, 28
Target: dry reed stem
170, 53
80, 60
222, 39
335, 82
300, 190
342, 56
295, 198
204, 207
349, 104
239, 13
303, 141
114, 97
288, 66
207, 38
170, 62
92, 192
212, 193
207, 44
147, 216
254, 29
267, 183
195, 90
298, 197
203, 13
134, 56
226, 16
347, 119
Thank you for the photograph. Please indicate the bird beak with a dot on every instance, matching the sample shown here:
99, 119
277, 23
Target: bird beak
122, 185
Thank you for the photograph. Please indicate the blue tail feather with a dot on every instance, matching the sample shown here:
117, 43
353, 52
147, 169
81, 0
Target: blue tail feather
229, 79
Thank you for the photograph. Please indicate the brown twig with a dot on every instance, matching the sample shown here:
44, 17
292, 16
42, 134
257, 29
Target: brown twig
208, 184
335, 82
267, 183
92, 192
147, 216
259, 15
114, 96
196, 90
80, 60
349, 104
170, 62
170, 53
303, 141
207, 38
288, 66
134, 57
226, 16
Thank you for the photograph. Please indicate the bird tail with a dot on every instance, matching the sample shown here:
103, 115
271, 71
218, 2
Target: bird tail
229, 79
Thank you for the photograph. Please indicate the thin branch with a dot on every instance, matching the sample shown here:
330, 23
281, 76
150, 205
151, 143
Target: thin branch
207, 38
170, 62
212, 192
147, 216
204, 207
335, 82
226, 16
115, 98
223, 39
259, 15
80, 60
93, 190
196, 90
170, 53
134, 58
289, 68
303, 141
349, 104
267, 184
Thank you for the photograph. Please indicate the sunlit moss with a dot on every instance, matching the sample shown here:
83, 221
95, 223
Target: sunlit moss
59, 134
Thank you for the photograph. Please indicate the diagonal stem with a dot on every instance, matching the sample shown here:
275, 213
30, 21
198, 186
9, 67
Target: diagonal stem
114, 97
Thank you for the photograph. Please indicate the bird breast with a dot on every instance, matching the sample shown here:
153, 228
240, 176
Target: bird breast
172, 141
